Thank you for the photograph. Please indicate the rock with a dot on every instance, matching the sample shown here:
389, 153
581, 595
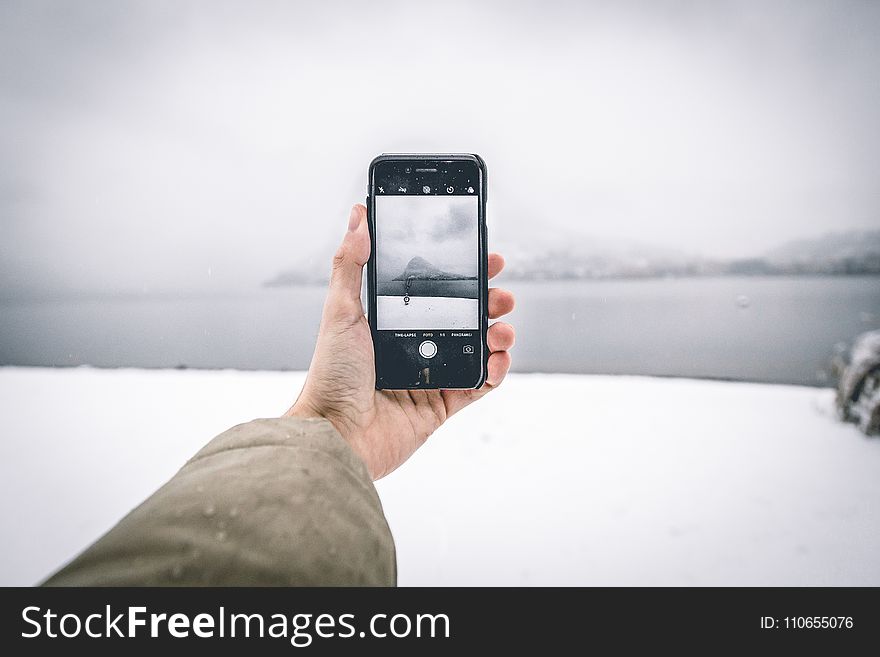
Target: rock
858, 393
421, 270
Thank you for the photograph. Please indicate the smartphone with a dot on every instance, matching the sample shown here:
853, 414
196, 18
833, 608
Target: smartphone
427, 283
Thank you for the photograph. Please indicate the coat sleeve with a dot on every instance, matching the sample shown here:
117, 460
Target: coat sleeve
272, 502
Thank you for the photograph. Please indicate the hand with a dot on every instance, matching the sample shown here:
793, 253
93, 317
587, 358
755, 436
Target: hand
384, 427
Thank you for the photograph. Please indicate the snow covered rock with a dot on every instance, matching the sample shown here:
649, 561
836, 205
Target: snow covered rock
858, 395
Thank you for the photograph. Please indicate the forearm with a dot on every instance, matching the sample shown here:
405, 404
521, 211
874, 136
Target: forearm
270, 502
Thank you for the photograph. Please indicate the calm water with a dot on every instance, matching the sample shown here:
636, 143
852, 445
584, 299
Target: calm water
466, 289
758, 329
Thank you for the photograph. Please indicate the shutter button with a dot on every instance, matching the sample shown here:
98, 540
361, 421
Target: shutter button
428, 349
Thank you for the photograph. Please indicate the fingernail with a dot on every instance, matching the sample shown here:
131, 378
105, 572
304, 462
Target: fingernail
354, 220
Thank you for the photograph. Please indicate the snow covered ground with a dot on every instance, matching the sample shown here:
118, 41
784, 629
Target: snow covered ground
553, 479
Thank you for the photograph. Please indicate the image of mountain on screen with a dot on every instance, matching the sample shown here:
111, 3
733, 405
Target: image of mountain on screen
420, 269
421, 278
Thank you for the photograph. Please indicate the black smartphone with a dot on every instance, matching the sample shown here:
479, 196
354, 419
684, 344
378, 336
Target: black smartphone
427, 282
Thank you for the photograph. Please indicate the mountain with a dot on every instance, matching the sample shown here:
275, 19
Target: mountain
854, 244
578, 257
561, 254
851, 252
420, 269
313, 269
294, 277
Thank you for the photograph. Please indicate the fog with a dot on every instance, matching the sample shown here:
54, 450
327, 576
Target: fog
201, 147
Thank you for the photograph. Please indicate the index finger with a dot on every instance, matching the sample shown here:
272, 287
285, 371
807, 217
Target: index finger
496, 264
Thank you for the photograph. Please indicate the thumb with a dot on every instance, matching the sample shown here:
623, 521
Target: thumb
350, 258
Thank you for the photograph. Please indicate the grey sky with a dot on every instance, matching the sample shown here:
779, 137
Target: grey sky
204, 146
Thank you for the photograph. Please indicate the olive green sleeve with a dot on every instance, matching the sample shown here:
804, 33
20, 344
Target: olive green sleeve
272, 502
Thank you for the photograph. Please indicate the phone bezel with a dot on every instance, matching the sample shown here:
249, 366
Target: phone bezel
428, 159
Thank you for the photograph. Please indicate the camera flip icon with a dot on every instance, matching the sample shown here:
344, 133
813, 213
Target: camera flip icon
467, 349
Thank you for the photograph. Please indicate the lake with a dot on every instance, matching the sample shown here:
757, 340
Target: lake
771, 329
440, 288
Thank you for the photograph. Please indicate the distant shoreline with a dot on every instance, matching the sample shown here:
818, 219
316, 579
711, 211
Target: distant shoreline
533, 278
514, 370
11, 297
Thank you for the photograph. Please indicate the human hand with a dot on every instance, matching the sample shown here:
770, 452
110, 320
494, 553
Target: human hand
384, 427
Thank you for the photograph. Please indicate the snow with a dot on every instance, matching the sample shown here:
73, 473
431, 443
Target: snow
553, 479
427, 312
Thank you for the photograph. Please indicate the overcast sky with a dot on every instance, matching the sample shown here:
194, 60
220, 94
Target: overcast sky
204, 146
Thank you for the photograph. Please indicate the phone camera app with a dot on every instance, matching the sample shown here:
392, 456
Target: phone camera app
427, 264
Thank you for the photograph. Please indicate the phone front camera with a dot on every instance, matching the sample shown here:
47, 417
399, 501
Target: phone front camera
408, 170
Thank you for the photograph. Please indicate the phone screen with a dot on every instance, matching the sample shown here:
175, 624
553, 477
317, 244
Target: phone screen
427, 273
427, 263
